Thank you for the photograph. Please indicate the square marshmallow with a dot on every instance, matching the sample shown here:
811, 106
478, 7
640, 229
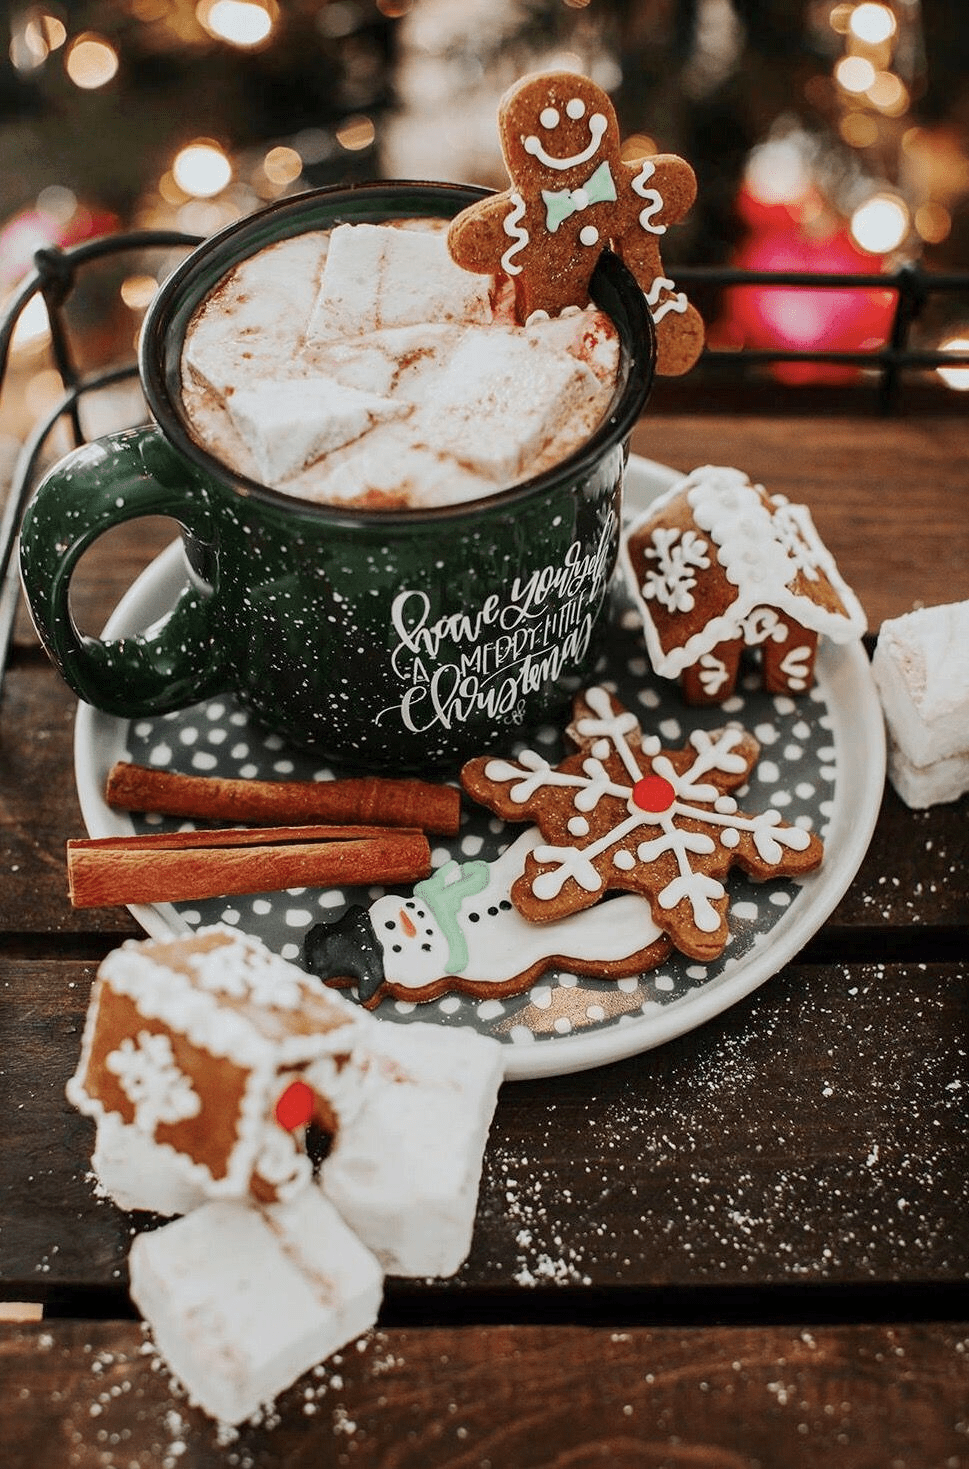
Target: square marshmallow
405, 1167
379, 276
502, 399
386, 465
921, 669
920, 786
242, 1300
257, 316
290, 423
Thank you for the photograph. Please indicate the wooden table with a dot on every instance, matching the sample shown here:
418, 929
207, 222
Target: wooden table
748, 1247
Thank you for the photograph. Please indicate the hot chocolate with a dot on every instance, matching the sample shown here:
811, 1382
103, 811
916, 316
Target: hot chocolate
362, 367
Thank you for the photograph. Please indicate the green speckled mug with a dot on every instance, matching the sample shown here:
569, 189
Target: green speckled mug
395, 639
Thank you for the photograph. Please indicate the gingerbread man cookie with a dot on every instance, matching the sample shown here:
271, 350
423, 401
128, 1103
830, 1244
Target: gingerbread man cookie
623, 813
571, 195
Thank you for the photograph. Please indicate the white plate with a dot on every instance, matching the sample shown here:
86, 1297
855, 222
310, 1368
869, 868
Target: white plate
830, 744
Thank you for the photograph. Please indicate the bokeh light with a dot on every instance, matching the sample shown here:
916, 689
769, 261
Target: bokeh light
881, 223
282, 166
91, 61
242, 23
137, 291
356, 133
933, 222
201, 169
874, 24
955, 377
888, 93
859, 129
855, 73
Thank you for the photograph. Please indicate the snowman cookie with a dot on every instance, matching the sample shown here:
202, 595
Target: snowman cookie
571, 195
623, 813
460, 932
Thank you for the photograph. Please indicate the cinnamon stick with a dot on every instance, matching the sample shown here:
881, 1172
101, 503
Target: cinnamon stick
372, 799
172, 867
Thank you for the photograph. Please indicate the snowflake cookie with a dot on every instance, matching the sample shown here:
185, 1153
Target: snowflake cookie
623, 813
572, 194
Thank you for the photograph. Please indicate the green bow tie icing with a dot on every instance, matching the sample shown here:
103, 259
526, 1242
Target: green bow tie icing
443, 893
560, 204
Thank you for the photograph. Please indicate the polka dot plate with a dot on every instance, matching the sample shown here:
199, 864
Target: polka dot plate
822, 765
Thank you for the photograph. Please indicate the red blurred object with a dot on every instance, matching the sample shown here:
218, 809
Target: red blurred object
789, 236
33, 229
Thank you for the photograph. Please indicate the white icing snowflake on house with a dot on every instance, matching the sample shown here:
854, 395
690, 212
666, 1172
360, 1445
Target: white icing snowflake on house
153, 1081
678, 557
260, 978
659, 822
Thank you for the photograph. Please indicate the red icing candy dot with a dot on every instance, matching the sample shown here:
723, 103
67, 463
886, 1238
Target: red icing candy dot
653, 793
295, 1107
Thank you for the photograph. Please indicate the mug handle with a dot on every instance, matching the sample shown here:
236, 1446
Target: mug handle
120, 477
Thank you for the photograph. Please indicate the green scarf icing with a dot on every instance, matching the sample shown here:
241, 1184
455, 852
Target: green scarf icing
444, 899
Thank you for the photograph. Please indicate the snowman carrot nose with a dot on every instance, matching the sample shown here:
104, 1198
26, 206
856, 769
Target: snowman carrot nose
407, 924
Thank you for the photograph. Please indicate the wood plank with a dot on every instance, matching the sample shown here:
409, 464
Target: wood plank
889, 496
915, 874
87, 1395
812, 1135
39, 810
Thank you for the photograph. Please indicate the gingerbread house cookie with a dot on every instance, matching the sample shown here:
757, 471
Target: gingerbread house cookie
717, 565
202, 1062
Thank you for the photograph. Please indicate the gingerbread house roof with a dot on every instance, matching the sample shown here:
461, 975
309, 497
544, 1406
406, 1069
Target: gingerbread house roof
715, 549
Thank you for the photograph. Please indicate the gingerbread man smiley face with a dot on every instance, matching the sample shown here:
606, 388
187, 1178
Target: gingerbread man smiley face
549, 120
572, 194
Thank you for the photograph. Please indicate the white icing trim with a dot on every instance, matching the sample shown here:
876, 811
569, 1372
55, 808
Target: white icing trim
695, 800
518, 236
677, 302
653, 197
597, 126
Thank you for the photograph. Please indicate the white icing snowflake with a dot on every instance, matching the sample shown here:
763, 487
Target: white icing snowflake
646, 804
262, 979
790, 533
679, 555
153, 1081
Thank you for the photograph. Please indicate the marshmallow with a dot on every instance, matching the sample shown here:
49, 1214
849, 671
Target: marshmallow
387, 469
920, 786
504, 396
242, 1300
591, 337
291, 422
245, 326
387, 362
406, 1163
380, 276
921, 669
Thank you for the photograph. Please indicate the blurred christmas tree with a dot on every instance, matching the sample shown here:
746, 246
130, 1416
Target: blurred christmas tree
190, 113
